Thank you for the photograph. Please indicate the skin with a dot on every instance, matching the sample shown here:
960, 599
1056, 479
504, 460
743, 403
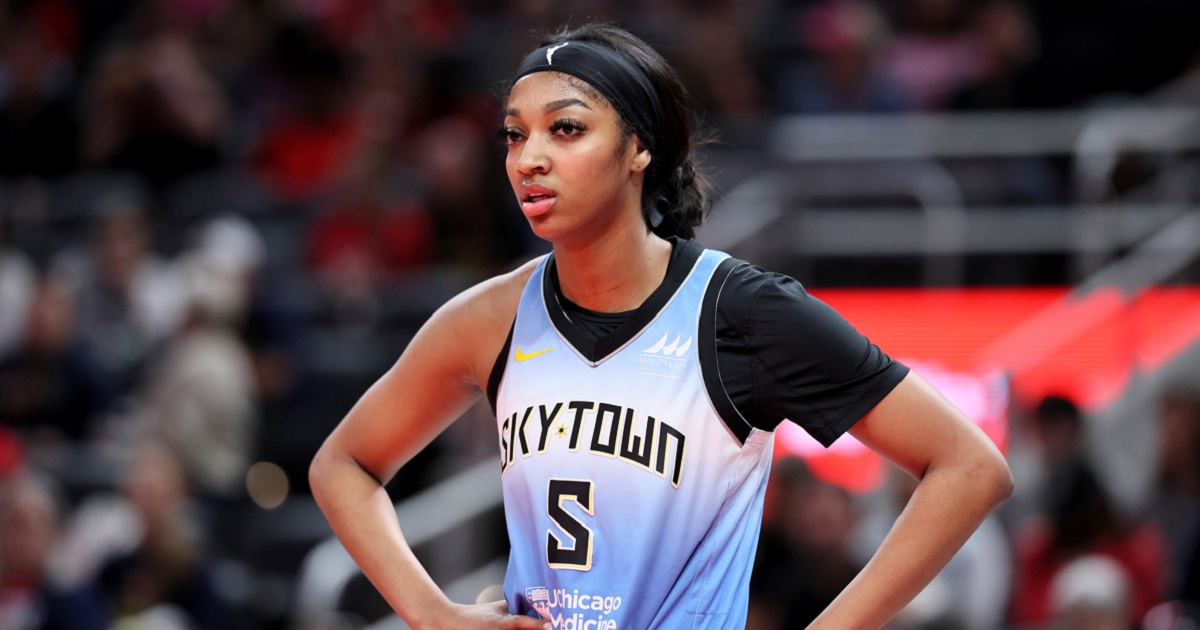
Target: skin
963, 477
566, 142
566, 139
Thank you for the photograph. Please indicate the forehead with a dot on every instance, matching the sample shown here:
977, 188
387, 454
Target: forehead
540, 88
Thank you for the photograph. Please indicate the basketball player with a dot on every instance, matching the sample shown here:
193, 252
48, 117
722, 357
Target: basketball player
636, 379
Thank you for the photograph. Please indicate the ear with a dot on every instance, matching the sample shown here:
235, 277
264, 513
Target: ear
641, 156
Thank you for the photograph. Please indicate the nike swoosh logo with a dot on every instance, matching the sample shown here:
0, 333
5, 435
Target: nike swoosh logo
525, 356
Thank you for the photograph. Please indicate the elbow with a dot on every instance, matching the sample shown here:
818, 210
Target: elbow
996, 480
1009, 485
320, 471
333, 470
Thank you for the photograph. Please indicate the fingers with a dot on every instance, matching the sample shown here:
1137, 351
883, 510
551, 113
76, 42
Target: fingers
525, 623
517, 622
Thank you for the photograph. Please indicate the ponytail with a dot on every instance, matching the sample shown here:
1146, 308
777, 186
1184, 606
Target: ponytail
681, 202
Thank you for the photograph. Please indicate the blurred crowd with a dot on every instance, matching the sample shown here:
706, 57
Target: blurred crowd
219, 219
1063, 553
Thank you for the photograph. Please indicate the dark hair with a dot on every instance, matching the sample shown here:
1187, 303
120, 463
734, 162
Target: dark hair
674, 186
1058, 411
1081, 510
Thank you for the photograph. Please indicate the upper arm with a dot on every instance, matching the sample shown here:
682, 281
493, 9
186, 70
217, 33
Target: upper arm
438, 376
783, 353
916, 428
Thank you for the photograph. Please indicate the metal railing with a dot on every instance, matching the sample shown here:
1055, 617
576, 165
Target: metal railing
825, 161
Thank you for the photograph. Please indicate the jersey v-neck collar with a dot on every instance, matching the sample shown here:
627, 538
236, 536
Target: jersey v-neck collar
684, 255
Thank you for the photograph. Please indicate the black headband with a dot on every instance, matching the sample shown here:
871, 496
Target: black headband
617, 78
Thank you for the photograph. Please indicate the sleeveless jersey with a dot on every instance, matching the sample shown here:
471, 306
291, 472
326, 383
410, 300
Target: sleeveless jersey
629, 502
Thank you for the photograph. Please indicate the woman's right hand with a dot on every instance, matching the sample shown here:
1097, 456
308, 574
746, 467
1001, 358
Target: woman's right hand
489, 616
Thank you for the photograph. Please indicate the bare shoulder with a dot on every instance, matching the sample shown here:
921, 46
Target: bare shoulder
490, 302
440, 373
480, 317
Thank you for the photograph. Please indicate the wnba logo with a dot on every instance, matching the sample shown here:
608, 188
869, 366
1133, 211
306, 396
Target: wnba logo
665, 359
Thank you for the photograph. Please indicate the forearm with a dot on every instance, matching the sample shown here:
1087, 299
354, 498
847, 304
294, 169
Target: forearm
946, 508
364, 520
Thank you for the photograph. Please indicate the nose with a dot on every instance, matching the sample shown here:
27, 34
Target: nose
531, 156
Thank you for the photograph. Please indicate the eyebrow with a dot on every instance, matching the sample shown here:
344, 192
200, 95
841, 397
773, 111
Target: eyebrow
552, 106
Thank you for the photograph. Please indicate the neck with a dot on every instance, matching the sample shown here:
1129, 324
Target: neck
613, 274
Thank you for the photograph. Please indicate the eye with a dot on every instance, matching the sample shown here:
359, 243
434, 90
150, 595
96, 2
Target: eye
567, 127
510, 135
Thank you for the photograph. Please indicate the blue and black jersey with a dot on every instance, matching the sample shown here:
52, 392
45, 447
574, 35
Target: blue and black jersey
635, 447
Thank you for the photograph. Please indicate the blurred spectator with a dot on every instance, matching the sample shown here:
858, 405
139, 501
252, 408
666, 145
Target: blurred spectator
233, 244
971, 592
235, 47
129, 298
39, 131
233, 247
12, 459
1083, 521
199, 398
716, 61
1176, 502
1054, 433
168, 578
52, 390
844, 74
58, 23
932, 53
469, 200
1060, 425
25, 209
17, 279
804, 558
368, 235
1092, 593
31, 598
153, 108
1006, 42
315, 128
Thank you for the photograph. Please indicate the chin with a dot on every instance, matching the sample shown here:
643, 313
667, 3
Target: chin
559, 229
545, 228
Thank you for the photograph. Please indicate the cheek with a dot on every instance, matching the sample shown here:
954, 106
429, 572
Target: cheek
595, 162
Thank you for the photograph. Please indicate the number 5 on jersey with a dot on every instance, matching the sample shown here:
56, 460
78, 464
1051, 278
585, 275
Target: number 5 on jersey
578, 556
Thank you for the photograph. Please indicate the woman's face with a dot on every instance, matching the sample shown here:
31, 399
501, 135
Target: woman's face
570, 165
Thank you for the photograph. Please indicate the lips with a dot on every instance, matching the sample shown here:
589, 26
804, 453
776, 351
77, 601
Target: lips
536, 200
